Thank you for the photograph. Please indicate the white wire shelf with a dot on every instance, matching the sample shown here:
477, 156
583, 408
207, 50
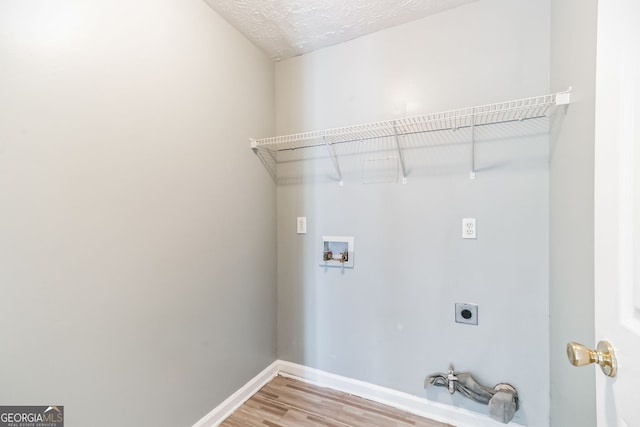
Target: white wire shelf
270, 149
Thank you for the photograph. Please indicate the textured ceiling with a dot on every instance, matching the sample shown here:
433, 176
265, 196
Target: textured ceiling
286, 28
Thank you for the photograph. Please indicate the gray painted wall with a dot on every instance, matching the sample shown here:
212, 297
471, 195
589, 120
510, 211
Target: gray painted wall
389, 320
573, 63
134, 220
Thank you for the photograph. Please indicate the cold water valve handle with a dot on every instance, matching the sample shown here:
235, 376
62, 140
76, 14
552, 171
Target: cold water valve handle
579, 355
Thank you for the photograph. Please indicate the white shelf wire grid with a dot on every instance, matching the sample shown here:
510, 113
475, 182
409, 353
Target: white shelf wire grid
271, 150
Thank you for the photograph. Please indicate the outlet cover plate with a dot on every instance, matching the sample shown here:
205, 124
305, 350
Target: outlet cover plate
467, 313
468, 228
301, 225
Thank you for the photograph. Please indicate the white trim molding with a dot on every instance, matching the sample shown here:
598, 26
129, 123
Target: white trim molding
233, 402
404, 401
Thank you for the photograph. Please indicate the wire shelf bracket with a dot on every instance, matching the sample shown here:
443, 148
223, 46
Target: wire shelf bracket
472, 173
269, 149
334, 159
404, 170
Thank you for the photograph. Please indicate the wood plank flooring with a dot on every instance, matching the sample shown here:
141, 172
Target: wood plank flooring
286, 402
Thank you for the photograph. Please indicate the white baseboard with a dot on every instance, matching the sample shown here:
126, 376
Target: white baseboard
233, 402
404, 401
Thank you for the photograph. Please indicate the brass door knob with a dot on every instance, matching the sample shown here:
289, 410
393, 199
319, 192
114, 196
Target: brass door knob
579, 355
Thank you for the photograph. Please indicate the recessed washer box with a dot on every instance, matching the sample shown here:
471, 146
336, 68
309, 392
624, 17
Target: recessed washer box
337, 251
467, 313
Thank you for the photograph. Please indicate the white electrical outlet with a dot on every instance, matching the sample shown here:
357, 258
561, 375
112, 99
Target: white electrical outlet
468, 228
301, 224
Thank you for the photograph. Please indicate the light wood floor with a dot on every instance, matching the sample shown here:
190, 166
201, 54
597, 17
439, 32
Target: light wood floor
286, 402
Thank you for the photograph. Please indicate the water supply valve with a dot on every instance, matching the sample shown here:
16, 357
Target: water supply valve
337, 251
